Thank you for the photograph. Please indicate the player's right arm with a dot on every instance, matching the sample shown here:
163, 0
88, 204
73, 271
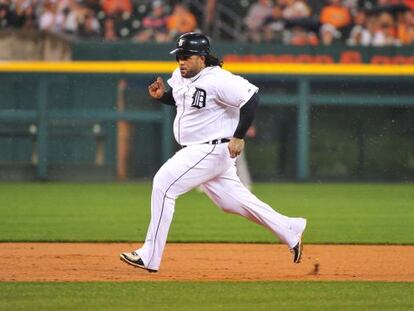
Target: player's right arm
157, 88
157, 91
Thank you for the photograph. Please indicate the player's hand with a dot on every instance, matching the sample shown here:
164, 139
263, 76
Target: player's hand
236, 146
157, 88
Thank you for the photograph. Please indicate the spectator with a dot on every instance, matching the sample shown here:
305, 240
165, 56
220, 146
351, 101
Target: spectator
335, 20
254, 20
293, 9
4, 14
377, 32
355, 36
409, 4
298, 23
51, 19
301, 36
368, 33
387, 29
353, 5
154, 25
119, 13
70, 11
88, 25
406, 28
116, 7
22, 15
181, 21
110, 33
274, 26
372, 22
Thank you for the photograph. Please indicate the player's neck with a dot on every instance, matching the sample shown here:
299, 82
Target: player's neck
201, 68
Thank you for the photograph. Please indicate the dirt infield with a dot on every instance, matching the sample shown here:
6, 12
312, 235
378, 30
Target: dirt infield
191, 262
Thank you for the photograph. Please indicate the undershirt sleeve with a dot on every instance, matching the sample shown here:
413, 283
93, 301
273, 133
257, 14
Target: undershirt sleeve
167, 98
247, 113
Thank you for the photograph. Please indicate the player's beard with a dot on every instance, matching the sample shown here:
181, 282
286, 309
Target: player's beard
188, 73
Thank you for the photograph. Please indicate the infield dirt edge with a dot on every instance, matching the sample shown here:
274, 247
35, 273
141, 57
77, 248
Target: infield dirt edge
80, 262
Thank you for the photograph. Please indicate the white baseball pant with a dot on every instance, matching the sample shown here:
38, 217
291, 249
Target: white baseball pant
209, 166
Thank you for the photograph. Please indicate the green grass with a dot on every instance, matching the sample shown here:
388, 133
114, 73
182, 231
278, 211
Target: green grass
337, 213
207, 296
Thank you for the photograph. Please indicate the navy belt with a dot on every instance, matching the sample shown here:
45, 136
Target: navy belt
214, 141
217, 141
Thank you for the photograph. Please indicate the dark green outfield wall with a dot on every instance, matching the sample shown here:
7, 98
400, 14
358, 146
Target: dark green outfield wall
360, 128
244, 51
80, 115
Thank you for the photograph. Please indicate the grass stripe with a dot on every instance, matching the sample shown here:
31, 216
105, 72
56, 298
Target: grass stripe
207, 296
337, 213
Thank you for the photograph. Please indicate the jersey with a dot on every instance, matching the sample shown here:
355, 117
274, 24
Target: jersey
208, 108
208, 104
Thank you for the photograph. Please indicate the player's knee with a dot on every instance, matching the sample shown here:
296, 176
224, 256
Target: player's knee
228, 209
157, 187
159, 180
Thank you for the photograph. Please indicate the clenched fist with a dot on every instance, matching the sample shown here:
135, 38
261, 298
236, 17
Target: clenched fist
236, 146
157, 88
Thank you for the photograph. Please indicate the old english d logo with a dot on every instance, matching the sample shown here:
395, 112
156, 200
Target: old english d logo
199, 98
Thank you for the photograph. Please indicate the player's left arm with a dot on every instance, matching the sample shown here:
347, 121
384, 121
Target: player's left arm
247, 113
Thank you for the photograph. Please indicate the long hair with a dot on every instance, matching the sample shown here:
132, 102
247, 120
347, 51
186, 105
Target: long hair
212, 60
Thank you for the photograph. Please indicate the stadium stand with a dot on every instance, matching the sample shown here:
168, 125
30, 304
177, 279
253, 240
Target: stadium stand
290, 22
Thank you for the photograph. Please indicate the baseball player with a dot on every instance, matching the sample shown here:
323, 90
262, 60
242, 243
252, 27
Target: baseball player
214, 111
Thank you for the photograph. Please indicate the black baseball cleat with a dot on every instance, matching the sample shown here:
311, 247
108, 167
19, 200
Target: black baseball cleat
133, 259
297, 251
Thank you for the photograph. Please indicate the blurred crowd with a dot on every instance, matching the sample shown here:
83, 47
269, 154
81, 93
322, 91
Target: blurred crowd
109, 20
362, 23
290, 22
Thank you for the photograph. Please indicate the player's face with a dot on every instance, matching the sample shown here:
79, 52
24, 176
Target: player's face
190, 65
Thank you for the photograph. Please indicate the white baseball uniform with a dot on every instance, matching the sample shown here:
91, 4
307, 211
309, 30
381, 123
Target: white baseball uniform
208, 107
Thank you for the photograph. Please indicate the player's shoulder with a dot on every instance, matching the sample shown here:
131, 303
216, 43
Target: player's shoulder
220, 74
217, 70
176, 73
227, 76
175, 78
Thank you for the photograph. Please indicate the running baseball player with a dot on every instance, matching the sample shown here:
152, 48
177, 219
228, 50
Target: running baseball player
214, 111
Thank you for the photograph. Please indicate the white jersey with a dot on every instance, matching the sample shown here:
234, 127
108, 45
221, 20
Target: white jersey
208, 104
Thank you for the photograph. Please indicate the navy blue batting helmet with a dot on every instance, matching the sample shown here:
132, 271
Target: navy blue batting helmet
192, 43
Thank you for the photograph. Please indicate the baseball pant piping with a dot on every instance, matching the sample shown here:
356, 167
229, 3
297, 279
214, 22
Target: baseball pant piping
229, 194
152, 261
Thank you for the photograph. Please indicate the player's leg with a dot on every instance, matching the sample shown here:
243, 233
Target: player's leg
230, 195
243, 170
187, 169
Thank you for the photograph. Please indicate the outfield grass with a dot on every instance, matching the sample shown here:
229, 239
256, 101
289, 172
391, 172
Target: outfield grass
337, 213
207, 296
